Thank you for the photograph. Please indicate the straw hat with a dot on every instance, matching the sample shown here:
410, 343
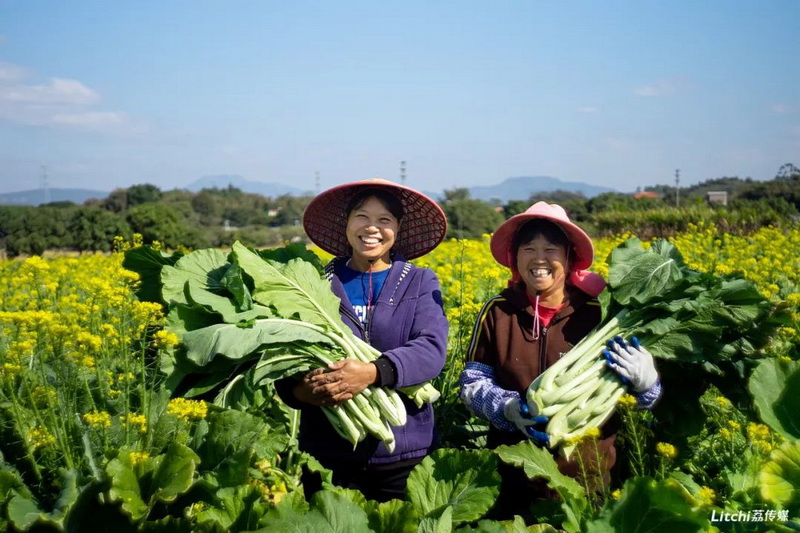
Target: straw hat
422, 228
504, 235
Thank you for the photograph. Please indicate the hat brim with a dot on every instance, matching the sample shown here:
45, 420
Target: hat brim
422, 228
500, 243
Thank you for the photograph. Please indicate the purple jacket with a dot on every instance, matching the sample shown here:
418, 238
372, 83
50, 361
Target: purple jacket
409, 327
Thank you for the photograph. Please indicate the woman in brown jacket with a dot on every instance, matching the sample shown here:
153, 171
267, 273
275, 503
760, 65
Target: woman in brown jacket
550, 305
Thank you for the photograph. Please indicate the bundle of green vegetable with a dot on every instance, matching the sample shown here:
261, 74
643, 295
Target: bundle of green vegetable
678, 314
247, 318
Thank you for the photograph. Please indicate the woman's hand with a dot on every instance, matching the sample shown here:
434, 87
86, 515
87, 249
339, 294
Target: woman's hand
343, 379
304, 391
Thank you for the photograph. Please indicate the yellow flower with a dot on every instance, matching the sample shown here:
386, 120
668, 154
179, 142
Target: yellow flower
627, 401
40, 438
735, 426
164, 339
757, 431
588, 434
616, 494
139, 421
592, 433
195, 509
725, 434
98, 419
187, 409
10, 369
138, 457
706, 495
667, 450
723, 402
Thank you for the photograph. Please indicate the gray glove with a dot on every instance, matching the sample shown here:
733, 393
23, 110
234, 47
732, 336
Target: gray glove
632, 362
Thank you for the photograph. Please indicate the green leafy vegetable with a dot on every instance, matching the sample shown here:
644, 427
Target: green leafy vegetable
678, 314
441, 482
775, 387
247, 318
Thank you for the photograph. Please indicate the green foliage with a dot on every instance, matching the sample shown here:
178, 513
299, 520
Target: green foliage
780, 478
157, 222
469, 218
441, 482
647, 505
94, 229
775, 387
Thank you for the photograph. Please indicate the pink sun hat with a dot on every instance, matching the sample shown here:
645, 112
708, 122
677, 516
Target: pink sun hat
422, 228
500, 244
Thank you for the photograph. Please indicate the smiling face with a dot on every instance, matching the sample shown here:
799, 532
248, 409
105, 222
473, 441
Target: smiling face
371, 232
543, 267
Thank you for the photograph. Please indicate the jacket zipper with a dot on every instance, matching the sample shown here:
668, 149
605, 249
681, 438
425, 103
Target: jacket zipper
353, 317
543, 350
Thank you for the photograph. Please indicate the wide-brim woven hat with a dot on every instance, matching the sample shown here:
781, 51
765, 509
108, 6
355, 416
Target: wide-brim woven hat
504, 235
422, 228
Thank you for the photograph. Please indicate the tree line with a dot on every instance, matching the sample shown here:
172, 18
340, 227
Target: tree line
218, 217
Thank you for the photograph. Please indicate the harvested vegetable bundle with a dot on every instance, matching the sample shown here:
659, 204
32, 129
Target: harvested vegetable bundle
247, 318
678, 314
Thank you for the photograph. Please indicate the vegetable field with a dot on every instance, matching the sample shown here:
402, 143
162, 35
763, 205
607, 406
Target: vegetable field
91, 441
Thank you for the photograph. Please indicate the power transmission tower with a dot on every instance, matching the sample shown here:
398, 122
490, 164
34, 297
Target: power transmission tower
316, 181
45, 186
677, 188
402, 172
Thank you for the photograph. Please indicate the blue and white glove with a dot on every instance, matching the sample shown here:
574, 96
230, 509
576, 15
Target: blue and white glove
517, 412
633, 363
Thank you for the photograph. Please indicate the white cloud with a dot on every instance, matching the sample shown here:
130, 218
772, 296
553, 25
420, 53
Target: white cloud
662, 87
9, 72
57, 91
780, 108
57, 102
587, 109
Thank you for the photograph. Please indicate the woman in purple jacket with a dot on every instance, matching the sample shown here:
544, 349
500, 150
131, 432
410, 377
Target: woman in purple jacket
373, 227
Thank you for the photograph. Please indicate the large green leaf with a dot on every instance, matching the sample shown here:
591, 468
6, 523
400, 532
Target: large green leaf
203, 269
780, 477
441, 521
148, 262
235, 343
295, 250
234, 509
161, 478
295, 291
540, 463
507, 526
638, 276
233, 439
234, 283
394, 515
775, 387
125, 485
650, 506
331, 511
340, 512
175, 473
441, 480
24, 512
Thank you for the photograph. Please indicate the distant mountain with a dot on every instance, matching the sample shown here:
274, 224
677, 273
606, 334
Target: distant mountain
37, 196
522, 188
221, 181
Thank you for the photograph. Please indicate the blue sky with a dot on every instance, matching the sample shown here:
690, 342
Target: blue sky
110, 94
